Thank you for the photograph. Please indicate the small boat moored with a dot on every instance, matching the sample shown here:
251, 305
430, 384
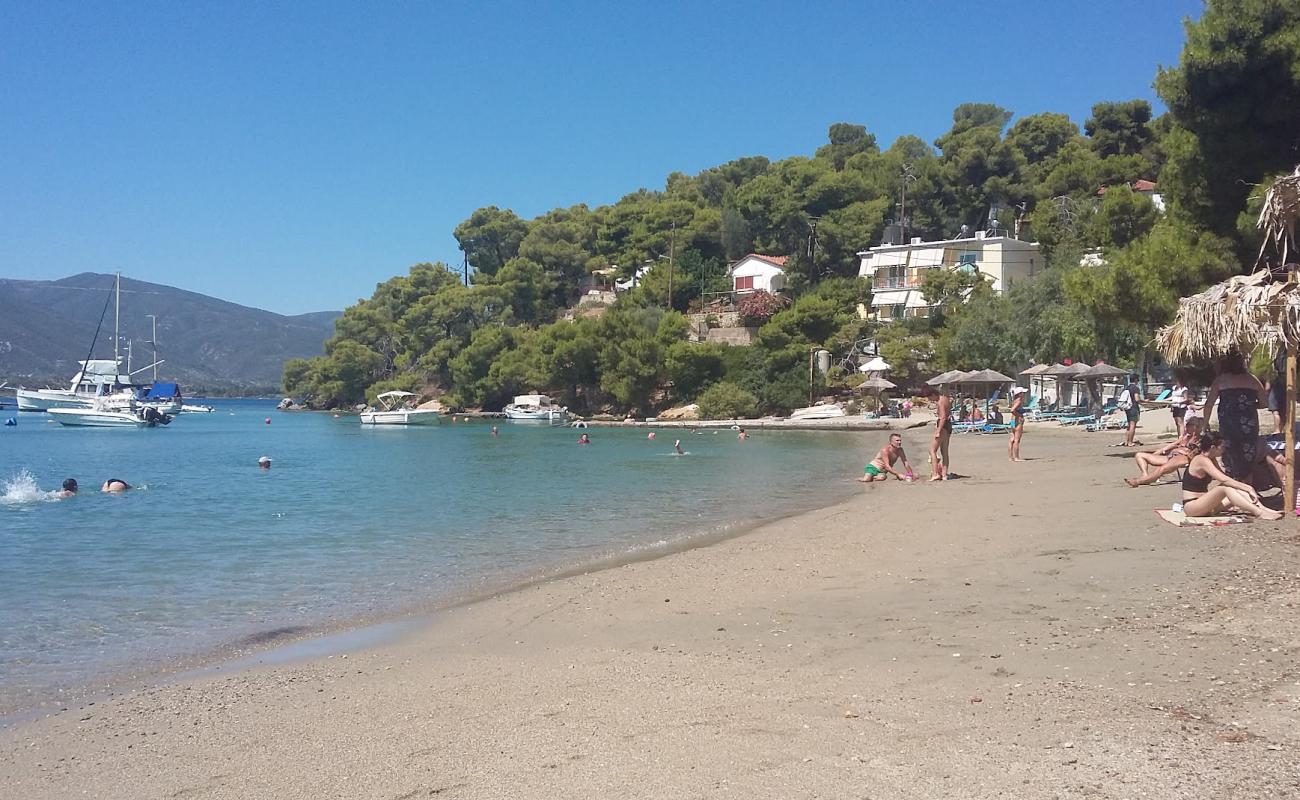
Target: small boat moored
107, 416
394, 411
536, 408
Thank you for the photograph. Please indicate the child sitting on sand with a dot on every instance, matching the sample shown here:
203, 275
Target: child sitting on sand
882, 466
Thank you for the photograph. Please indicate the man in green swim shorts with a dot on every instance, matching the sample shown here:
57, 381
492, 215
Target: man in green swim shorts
882, 466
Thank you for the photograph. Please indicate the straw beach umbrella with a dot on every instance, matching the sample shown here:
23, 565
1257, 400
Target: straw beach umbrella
1035, 373
1248, 311
945, 378
876, 386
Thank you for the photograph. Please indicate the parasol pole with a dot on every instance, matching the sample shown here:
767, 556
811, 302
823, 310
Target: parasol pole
1288, 420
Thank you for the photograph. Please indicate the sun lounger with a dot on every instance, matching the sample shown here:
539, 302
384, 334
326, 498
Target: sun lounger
1109, 423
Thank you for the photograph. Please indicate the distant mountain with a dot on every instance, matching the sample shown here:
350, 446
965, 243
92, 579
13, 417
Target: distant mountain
206, 344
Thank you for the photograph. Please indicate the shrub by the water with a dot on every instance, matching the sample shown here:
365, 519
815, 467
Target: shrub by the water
726, 401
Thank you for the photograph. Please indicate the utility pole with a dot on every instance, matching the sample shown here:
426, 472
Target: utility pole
812, 248
672, 247
465, 250
153, 342
908, 177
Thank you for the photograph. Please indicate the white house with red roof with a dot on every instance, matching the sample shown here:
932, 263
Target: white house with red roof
1144, 187
758, 273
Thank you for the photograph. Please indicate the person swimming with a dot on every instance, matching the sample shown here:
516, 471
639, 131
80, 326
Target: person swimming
115, 486
584, 439
677, 446
69, 488
494, 430
742, 436
264, 462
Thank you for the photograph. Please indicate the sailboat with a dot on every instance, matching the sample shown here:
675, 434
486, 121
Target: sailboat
95, 375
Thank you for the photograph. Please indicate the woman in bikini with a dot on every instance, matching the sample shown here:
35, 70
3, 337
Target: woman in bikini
1200, 500
1170, 458
939, 464
1017, 411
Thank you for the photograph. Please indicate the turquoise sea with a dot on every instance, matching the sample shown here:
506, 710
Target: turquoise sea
210, 554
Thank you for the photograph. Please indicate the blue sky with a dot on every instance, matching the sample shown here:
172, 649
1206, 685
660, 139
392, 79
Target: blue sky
289, 156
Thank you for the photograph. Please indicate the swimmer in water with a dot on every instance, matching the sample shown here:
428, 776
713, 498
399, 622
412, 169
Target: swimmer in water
115, 486
264, 462
650, 435
69, 488
742, 436
494, 430
677, 445
583, 439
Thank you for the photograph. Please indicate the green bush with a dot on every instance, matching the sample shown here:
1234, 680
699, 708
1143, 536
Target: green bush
727, 401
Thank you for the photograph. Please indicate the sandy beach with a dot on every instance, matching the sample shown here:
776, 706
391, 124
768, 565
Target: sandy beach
1031, 631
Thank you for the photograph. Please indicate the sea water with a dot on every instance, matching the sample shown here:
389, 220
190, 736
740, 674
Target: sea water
349, 525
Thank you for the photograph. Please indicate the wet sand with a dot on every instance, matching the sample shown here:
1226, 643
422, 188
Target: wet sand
1031, 631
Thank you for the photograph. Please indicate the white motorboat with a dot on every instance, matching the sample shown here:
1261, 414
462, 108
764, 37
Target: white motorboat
536, 408
90, 382
196, 409
109, 415
393, 410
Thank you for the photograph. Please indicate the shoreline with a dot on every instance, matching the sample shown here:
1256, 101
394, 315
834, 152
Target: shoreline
293, 644
989, 636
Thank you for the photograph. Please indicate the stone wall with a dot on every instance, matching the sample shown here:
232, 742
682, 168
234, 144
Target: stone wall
731, 337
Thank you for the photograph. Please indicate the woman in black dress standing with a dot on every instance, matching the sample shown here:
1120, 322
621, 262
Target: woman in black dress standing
1239, 395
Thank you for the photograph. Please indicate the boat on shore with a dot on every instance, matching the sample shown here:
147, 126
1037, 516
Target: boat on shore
824, 411
536, 408
393, 410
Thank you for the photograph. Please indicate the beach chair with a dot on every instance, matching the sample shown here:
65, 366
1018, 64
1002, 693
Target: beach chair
1107, 422
994, 427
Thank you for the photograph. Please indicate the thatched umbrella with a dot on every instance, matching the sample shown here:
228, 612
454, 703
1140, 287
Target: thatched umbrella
876, 386
1249, 311
1035, 372
1103, 371
945, 378
985, 377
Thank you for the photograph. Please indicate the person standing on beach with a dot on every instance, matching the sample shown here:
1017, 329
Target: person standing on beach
1128, 403
940, 465
882, 466
1017, 411
1277, 392
1178, 404
1239, 395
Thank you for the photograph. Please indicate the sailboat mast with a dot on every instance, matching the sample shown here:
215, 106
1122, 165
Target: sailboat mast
117, 318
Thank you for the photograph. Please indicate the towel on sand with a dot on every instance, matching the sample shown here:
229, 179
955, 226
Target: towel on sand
1180, 519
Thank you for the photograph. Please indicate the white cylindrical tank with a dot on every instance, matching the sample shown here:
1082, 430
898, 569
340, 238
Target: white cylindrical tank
824, 361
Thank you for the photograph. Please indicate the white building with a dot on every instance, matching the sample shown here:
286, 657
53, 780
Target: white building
1146, 188
756, 273
896, 270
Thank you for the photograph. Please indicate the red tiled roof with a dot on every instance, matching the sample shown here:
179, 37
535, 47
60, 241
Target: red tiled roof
775, 260
1139, 185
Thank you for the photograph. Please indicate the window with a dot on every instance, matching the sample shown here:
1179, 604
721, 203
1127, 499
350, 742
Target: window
891, 277
746, 282
968, 258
